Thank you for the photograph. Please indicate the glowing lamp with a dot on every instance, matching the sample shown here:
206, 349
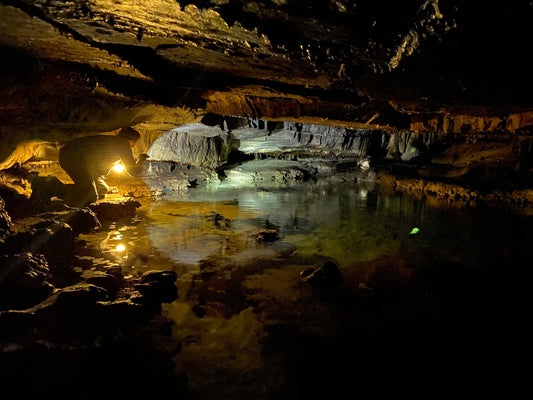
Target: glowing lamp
118, 168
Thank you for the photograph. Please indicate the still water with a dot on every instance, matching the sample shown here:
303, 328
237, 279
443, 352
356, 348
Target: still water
348, 222
425, 280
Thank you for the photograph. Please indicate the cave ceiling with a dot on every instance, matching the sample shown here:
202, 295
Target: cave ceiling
364, 63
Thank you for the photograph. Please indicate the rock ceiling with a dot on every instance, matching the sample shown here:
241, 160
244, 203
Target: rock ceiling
88, 65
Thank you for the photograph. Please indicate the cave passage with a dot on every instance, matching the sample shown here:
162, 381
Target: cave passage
308, 261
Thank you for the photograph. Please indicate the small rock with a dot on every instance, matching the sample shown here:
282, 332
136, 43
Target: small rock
328, 276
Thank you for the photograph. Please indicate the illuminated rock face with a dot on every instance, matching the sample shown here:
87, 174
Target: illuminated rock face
419, 67
194, 144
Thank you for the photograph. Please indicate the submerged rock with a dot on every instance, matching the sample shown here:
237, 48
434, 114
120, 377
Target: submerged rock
172, 177
158, 286
327, 276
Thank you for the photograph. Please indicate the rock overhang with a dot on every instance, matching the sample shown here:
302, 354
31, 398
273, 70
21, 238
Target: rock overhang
90, 66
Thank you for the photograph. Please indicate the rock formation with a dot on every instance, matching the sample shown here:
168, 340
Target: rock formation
194, 144
424, 66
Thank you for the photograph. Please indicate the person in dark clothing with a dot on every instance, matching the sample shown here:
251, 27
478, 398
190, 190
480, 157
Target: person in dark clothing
88, 159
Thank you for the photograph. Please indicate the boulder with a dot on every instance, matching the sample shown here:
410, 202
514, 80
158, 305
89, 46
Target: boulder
81, 220
194, 144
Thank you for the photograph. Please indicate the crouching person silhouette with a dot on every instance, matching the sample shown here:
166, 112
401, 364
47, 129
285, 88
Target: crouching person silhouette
88, 159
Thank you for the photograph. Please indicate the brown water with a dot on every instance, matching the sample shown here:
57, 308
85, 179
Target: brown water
445, 302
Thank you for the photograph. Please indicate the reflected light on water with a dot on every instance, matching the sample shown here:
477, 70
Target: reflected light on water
120, 247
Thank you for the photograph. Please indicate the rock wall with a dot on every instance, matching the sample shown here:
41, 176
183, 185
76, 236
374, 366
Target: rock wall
401, 145
447, 123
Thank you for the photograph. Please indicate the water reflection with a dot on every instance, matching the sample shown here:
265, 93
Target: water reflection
250, 328
348, 222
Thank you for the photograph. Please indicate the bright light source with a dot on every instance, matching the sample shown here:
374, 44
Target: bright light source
120, 247
118, 167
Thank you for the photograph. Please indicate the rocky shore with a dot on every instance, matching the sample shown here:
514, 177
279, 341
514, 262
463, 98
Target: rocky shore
60, 309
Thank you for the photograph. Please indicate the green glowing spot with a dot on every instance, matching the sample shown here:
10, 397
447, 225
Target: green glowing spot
414, 231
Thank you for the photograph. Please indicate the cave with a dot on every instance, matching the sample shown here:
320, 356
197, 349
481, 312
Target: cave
334, 199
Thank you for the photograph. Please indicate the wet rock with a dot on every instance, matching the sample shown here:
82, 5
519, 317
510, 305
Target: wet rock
327, 276
113, 210
23, 280
5, 219
53, 239
283, 249
81, 220
194, 144
111, 283
102, 308
268, 173
68, 318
